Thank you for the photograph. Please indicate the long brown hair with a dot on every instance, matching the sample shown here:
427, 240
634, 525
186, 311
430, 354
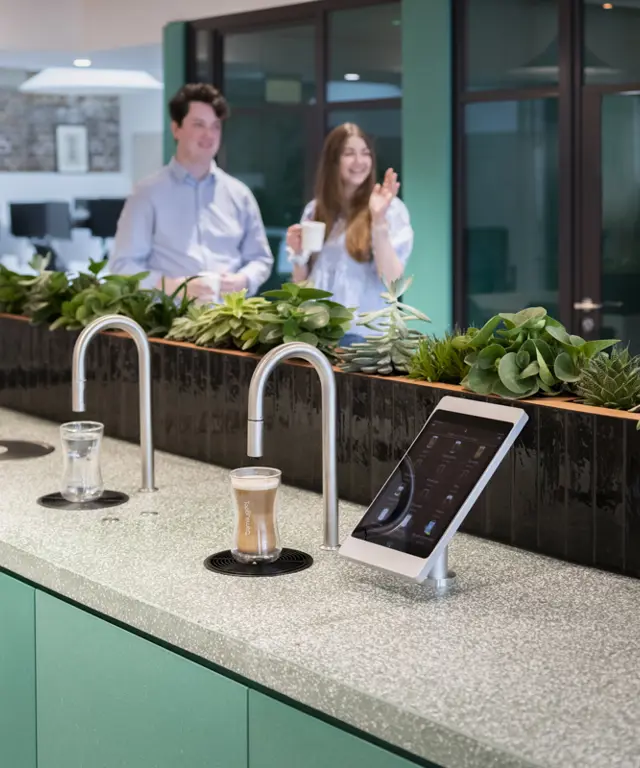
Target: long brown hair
329, 194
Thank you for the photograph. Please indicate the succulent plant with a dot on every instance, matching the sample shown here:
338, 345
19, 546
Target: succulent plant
532, 353
234, 322
611, 380
441, 358
301, 313
394, 344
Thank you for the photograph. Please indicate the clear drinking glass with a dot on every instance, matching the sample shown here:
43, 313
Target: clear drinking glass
255, 495
81, 476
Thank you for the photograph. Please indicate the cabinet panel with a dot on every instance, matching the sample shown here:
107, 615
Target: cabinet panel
110, 699
283, 737
17, 674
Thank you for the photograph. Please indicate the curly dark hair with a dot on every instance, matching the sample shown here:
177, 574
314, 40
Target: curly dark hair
203, 92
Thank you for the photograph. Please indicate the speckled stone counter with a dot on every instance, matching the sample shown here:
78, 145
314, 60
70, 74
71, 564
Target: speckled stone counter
529, 662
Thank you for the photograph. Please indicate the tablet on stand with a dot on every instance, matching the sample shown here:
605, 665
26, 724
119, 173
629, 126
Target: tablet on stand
411, 521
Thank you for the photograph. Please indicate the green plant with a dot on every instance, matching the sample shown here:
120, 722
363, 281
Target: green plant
441, 358
300, 313
235, 322
531, 353
13, 294
611, 380
164, 309
394, 344
152, 309
48, 290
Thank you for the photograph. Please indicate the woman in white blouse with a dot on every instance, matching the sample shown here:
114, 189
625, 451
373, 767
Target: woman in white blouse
368, 231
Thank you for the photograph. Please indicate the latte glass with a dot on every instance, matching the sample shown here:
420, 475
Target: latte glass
255, 499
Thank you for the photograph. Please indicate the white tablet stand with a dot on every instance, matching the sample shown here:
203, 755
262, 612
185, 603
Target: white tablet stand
440, 576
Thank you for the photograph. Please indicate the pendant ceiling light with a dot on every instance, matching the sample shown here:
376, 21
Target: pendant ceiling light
90, 82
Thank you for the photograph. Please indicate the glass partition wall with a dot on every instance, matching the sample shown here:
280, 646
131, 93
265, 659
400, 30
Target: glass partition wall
290, 75
547, 162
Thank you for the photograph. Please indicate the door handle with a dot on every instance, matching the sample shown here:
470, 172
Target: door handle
588, 305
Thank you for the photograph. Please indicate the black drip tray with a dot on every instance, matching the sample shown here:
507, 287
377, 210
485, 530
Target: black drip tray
108, 499
11, 450
290, 561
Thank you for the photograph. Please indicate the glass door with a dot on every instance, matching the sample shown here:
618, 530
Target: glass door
610, 306
608, 286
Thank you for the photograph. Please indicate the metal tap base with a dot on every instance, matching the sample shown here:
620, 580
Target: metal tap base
326, 548
440, 576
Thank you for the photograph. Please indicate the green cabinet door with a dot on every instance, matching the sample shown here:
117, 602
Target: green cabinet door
283, 737
110, 699
17, 674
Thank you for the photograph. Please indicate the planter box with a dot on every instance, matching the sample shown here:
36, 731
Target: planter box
570, 488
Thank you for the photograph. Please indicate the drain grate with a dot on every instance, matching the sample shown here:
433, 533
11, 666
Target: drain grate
12, 450
108, 499
290, 561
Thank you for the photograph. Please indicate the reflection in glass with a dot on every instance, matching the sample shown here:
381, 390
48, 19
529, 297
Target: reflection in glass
365, 53
273, 66
266, 150
611, 52
384, 126
511, 44
511, 236
203, 56
621, 218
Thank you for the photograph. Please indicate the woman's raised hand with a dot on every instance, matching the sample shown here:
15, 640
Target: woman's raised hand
382, 196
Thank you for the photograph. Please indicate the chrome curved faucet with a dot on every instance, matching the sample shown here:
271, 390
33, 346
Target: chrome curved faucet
329, 423
78, 380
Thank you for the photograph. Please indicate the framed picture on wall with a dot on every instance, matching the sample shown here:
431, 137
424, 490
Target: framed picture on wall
72, 149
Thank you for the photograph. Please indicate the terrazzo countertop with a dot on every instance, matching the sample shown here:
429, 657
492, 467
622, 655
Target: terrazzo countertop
529, 662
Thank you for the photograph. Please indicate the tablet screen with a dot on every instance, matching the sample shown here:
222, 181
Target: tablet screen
431, 483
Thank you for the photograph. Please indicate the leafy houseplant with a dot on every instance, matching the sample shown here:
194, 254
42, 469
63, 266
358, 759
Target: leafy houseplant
13, 294
235, 322
304, 314
154, 310
394, 344
48, 290
532, 352
611, 381
441, 359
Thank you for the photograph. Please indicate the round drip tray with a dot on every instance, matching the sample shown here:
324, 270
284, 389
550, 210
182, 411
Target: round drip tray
290, 561
12, 450
108, 499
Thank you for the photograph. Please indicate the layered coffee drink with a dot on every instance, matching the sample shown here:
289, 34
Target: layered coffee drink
255, 495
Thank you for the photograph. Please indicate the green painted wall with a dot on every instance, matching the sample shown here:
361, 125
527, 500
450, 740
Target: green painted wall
174, 49
427, 153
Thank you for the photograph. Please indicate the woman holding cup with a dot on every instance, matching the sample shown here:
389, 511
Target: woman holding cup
355, 233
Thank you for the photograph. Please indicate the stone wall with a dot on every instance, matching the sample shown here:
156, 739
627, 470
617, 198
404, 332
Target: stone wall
28, 129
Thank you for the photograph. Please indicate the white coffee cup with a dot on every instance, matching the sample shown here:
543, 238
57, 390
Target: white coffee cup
212, 279
313, 236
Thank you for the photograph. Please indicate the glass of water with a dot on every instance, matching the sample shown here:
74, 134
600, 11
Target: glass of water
81, 475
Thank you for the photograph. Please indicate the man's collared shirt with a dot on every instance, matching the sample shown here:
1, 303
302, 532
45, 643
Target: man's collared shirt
173, 225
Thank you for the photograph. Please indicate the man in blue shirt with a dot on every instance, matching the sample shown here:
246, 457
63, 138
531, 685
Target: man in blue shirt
191, 217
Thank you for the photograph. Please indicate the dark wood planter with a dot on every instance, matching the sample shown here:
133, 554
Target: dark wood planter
569, 489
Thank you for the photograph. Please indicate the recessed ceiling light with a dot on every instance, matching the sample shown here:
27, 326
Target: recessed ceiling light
607, 6
82, 62
396, 22
352, 76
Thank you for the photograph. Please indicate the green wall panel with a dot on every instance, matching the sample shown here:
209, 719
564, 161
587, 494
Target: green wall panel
174, 52
283, 737
17, 675
427, 171
110, 699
